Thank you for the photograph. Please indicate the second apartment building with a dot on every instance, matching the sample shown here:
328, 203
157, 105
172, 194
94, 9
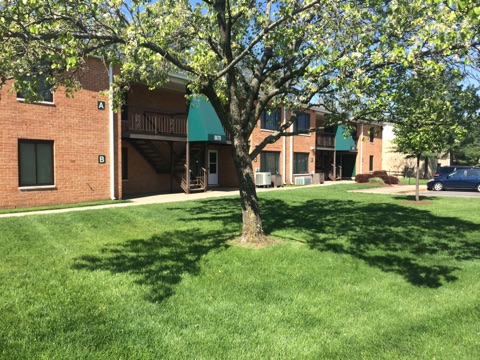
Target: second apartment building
328, 154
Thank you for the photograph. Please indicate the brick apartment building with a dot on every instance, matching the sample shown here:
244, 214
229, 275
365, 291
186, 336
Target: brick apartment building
327, 152
69, 150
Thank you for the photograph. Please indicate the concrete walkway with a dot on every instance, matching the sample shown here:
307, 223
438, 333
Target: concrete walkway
393, 189
213, 193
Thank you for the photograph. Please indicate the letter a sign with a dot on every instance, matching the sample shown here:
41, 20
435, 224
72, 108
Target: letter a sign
101, 105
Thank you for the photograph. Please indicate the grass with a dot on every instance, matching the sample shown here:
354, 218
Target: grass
411, 181
357, 276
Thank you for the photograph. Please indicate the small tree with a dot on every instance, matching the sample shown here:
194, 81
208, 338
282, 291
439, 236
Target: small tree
433, 109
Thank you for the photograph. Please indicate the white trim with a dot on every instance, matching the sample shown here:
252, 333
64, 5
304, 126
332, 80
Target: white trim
361, 152
39, 187
284, 149
22, 100
111, 135
214, 181
292, 180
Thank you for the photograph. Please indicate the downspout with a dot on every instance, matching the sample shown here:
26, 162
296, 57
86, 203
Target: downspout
112, 135
284, 150
291, 156
361, 152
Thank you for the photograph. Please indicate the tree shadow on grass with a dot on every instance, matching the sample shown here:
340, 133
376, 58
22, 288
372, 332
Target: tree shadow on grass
424, 249
158, 262
410, 242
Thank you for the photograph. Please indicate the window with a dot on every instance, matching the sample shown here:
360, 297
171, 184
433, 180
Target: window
35, 162
300, 163
124, 163
371, 133
42, 90
269, 162
302, 122
370, 164
270, 120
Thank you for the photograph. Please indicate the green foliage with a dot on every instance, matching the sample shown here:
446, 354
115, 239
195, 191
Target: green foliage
243, 52
467, 150
376, 180
431, 112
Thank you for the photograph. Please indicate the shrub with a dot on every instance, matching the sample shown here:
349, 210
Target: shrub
362, 178
379, 173
376, 180
394, 180
386, 179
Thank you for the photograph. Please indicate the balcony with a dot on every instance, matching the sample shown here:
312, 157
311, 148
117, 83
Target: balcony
326, 141
144, 122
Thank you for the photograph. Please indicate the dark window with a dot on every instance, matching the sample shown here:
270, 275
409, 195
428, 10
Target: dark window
270, 120
124, 163
370, 164
330, 130
300, 163
42, 90
269, 162
35, 162
302, 122
371, 133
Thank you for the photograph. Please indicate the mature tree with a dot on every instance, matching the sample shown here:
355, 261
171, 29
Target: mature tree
244, 55
435, 111
466, 151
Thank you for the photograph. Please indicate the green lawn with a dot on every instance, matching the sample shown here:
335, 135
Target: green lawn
411, 181
357, 276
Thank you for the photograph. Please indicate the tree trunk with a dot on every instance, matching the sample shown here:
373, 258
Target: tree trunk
417, 180
252, 223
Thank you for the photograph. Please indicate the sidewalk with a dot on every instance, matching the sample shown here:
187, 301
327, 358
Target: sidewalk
215, 193
393, 189
166, 198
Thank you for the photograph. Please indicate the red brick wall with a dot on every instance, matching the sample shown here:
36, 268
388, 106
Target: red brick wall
227, 175
80, 133
286, 147
367, 148
163, 99
142, 178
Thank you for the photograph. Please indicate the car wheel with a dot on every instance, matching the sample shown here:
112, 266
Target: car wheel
438, 186
478, 187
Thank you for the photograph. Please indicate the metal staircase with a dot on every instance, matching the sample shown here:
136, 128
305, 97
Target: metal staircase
156, 153
170, 158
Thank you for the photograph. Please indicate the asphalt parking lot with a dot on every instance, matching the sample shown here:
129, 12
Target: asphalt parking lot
410, 190
450, 193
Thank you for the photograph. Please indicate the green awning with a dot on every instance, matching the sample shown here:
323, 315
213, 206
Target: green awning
203, 122
343, 143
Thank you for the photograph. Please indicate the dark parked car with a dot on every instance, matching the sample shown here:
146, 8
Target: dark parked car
447, 170
468, 179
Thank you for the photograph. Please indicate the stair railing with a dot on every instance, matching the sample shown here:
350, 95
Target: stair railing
335, 173
184, 184
203, 179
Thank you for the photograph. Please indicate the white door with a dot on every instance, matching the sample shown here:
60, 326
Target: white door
212, 167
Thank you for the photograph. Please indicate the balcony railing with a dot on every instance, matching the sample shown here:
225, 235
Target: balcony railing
326, 141
144, 120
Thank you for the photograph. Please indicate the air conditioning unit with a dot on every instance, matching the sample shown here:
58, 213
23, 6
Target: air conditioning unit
263, 179
304, 180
